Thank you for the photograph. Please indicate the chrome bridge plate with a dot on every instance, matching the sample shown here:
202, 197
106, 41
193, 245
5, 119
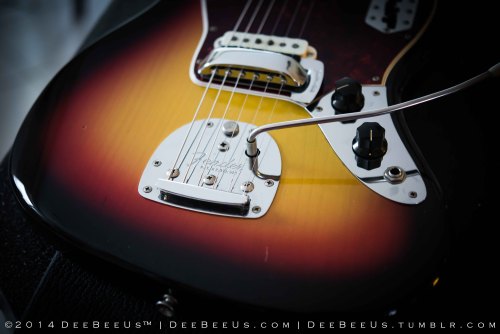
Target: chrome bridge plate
212, 173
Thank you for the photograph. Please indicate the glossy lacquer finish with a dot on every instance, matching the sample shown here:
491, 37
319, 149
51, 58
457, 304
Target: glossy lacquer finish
327, 242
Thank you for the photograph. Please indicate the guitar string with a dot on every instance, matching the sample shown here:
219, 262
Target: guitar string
308, 15
292, 20
242, 156
242, 153
280, 15
235, 178
231, 138
218, 131
206, 126
266, 15
264, 153
276, 101
219, 178
205, 122
191, 125
259, 106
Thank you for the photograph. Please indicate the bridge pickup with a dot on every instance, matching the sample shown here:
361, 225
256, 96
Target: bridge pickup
203, 199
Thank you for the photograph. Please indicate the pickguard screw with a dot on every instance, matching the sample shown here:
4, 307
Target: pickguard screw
247, 186
269, 183
376, 93
413, 194
209, 180
224, 146
157, 163
319, 109
147, 189
375, 78
256, 209
210, 124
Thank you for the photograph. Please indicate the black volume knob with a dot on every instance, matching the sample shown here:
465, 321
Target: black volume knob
369, 145
347, 97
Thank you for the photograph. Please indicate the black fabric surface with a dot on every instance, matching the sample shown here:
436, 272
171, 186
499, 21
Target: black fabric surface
24, 254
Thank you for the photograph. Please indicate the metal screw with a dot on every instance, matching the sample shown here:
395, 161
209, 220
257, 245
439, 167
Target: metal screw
209, 180
230, 128
173, 173
247, 186
269, 183
166, 305
319, 109
147, 189
376, 93
224, 146
256, 209
413, 194
375, 78
157, 163
213, 28
210, 124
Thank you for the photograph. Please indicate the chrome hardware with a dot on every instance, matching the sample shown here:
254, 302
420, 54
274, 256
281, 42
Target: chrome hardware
224, 146
147, 189
173, 173
302, 79
230, 128
184, 194
264, 63
166, 305
209, 180
247, 186
340, 136
390, 20
394, 174
256, 209
157, 163
269, 183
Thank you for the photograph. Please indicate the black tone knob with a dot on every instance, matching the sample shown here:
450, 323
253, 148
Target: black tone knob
347, 97
369, 145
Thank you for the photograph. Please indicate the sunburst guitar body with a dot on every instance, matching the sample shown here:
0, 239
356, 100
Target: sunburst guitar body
137, 151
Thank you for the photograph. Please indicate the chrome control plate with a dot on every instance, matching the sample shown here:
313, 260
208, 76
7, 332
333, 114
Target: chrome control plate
409, 188
212, 174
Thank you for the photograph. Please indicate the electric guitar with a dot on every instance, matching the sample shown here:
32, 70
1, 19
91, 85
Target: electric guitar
147, 150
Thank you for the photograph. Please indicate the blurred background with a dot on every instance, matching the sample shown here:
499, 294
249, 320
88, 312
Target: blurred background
36, 39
